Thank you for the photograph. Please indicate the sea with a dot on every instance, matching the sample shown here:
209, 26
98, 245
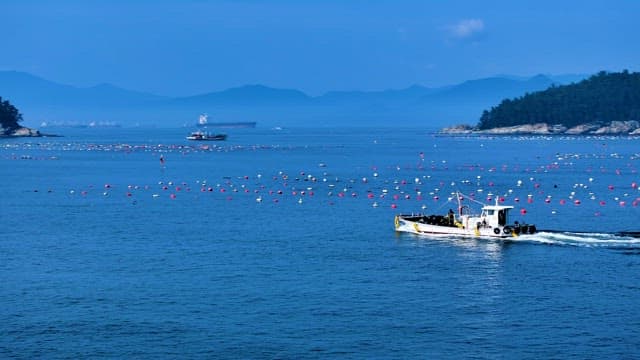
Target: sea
122, 243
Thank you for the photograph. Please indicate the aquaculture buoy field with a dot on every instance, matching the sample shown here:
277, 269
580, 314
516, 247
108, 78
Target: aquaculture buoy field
281, 243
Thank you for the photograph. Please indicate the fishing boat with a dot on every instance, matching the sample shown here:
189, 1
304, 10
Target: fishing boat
205, 136
492, 222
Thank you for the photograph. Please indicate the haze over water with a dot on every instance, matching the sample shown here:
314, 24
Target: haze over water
280, 244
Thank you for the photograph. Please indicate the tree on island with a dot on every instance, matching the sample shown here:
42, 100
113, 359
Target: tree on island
9, 116
600, 99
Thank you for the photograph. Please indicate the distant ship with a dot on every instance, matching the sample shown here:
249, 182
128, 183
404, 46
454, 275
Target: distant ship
203, 121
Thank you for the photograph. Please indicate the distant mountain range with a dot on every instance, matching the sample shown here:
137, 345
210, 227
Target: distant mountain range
41, 100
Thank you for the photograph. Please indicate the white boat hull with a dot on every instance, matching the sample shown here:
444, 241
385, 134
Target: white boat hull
417, 225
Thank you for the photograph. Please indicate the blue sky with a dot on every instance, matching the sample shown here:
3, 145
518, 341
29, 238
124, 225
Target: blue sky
190, 47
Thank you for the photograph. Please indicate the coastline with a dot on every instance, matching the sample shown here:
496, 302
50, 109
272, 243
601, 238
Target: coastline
631, 128
24, 132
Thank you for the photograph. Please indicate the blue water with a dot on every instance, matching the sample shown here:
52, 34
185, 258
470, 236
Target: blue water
280, 244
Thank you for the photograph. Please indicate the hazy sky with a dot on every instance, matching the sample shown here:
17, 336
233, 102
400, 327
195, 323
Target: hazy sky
190, 47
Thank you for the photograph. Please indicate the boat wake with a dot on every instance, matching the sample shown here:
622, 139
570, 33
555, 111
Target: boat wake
628, 241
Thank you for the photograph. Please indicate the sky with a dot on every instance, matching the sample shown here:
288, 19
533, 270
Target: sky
181, 48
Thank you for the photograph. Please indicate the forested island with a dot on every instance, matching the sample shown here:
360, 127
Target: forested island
10, 119
605, 103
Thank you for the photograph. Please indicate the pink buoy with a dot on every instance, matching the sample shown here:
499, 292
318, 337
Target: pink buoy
394, 206
563, 201
523, 211
172, 196
602, 203
610, 187
623, 203
576, 202
634, 185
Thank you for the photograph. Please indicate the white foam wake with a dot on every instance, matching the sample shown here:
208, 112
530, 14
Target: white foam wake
582, 239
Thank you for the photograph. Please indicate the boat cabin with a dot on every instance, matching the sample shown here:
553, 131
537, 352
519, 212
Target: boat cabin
495, 215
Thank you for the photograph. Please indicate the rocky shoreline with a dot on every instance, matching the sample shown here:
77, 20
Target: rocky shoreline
631, 127
23, 132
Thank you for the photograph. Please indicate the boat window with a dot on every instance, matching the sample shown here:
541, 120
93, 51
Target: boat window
502, 218
490, 212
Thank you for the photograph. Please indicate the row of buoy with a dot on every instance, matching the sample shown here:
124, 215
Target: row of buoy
384, 186
398, 189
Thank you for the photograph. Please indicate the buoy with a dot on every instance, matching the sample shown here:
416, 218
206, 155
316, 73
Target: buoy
523, 211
